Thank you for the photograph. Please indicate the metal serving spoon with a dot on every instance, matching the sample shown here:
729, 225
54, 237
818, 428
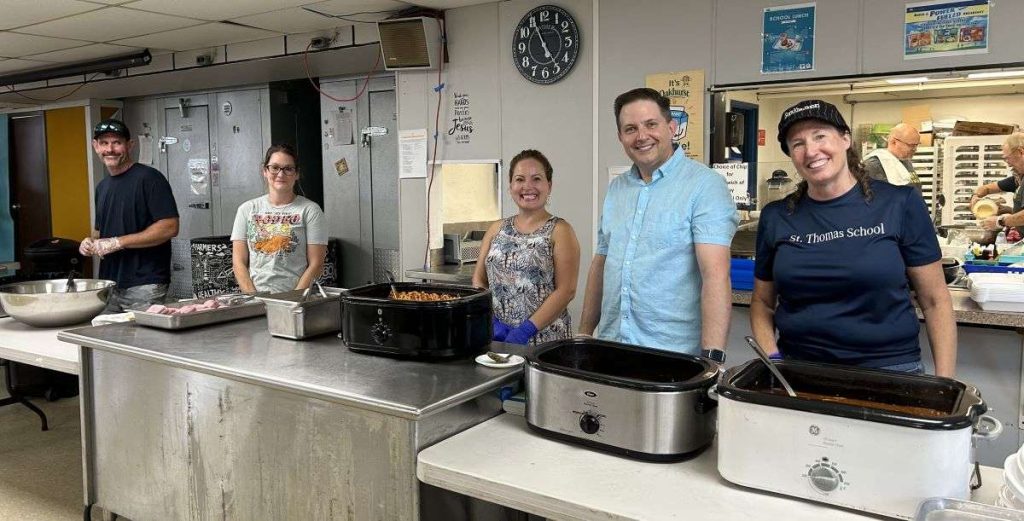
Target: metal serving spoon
771, 366
498, 357
70, 286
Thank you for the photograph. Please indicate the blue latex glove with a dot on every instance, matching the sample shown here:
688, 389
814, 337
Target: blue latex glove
522, 334
501, 329
775, 356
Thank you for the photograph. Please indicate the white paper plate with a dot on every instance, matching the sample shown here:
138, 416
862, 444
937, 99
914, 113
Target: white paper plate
512, 362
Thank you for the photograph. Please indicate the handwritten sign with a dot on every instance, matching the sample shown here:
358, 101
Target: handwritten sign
735, 175
462, 118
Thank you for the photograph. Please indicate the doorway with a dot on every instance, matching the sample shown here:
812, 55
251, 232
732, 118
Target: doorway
30, 183
747, 147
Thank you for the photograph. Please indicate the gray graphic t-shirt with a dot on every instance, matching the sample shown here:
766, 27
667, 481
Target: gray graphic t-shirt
277, 237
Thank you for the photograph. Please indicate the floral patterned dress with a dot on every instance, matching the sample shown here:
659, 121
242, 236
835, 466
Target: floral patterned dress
521, 275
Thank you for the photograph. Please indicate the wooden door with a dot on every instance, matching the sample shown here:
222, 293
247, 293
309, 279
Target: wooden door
30, 186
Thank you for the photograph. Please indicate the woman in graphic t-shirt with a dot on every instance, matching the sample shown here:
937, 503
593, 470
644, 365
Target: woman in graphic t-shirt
279, 240
836, 260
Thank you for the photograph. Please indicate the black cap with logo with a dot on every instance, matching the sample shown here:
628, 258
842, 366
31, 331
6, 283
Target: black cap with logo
111, 126
810, 109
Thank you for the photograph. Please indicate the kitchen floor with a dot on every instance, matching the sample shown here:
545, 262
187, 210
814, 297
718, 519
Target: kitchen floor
40, 472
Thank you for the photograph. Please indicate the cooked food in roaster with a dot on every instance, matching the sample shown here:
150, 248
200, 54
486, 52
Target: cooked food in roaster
422, 296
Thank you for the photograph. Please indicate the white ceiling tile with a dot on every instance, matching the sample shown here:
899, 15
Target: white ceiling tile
14, 45
362, 10
26, 12
107, 24
197, 37
20, 65
87, 52
214, 10
291, 21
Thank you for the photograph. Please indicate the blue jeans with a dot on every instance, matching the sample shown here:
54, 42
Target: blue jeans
908, 367
136, 298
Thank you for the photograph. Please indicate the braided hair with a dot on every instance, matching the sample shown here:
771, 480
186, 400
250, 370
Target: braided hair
856, 168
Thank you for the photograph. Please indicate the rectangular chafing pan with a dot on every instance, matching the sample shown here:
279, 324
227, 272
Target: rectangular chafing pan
248, 308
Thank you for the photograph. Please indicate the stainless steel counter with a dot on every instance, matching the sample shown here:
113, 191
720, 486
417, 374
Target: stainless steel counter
320, 367
228, 422
452, 273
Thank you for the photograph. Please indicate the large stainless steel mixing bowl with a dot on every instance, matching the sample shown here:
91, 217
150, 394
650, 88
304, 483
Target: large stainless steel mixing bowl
47, 303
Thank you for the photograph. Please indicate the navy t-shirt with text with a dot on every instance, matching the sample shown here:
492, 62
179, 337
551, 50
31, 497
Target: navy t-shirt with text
839, 269
129, 203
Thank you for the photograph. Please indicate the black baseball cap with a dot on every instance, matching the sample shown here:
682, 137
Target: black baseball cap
111, 126
810, 109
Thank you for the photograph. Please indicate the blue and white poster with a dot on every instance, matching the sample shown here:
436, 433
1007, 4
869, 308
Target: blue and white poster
943, 28
788, 39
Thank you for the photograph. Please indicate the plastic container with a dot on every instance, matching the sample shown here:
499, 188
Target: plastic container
948, 509
998, 291
741, 273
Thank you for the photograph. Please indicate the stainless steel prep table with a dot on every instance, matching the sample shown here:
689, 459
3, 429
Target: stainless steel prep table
229, 422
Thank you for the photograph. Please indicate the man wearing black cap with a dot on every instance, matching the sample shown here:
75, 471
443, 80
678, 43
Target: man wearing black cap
136, 217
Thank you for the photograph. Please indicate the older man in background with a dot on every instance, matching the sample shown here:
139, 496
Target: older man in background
892, 163
1013, 154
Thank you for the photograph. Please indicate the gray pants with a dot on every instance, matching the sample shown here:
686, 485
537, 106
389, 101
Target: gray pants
135, 298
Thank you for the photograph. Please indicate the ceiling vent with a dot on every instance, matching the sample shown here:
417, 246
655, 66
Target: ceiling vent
410, 43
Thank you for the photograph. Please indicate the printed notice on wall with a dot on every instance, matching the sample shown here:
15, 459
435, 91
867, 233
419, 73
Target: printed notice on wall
735, 175
146, 149
945, 28
685, 93
412, 153
461, 129
787, 39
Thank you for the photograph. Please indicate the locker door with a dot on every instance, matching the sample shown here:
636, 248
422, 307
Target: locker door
188, 171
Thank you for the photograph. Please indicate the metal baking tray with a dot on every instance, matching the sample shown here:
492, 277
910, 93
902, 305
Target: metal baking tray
948, 509
246, 309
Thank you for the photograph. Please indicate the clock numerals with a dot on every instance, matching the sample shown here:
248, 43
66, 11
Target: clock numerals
545, 44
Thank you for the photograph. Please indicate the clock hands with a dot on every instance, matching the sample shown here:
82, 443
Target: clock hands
543, 45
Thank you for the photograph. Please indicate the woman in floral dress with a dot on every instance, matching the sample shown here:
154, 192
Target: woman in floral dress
530, 260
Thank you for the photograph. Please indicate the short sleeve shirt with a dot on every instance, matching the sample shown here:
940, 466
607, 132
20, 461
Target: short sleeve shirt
129, 203
839, 269
652, 282
1012, 184
277, 237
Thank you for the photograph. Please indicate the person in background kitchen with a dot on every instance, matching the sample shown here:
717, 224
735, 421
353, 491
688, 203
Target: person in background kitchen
660, 274
279, 240
1013, 154
530, 260
892, 163
136, 217
837, 258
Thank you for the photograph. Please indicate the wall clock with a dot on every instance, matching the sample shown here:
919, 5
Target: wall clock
545, 44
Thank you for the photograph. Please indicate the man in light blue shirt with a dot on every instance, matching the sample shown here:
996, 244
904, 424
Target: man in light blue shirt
660, 275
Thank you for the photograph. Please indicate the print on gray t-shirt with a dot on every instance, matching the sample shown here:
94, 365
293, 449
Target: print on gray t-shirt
277, 237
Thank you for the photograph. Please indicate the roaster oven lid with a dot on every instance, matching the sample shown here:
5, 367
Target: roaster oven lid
623, 365
379, 294
919, 401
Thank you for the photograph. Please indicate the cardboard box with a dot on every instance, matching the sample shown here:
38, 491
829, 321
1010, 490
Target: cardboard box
926, 139
978, 128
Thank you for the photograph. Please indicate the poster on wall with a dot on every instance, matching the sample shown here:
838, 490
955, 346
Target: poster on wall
685, 92
787, 39
945, 28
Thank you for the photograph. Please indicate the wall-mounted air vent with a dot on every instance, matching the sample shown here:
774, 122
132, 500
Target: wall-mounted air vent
410, 43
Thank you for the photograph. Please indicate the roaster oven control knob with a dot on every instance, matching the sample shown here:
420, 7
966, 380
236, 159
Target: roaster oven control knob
825, 478
380, 333
589, 423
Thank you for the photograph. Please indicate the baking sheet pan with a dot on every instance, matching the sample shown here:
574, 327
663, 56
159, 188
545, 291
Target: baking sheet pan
251, 308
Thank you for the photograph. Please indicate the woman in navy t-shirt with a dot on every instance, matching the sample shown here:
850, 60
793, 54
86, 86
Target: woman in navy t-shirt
837, 258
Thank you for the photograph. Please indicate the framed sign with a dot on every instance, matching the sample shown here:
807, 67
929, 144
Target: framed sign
787, 38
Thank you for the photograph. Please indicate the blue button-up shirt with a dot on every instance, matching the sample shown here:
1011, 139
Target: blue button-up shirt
652, 281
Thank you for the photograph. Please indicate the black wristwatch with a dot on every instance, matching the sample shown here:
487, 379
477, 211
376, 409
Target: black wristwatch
714, 354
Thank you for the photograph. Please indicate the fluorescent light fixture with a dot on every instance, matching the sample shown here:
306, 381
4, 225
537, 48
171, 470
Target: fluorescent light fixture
994, 74
109, 64
904, 81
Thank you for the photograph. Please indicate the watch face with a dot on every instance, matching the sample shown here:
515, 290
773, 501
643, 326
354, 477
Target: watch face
545, 44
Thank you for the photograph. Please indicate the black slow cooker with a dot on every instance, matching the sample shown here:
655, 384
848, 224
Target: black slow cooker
375, 323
